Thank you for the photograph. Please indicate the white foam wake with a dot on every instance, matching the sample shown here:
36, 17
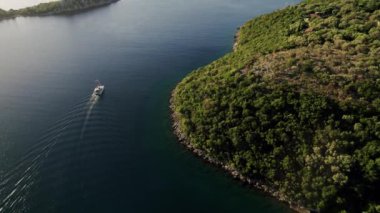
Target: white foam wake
91, 103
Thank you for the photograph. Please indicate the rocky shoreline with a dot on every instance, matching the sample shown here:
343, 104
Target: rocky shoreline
257, 184
236, 39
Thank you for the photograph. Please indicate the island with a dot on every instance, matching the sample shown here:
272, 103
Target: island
55, 8
294, 110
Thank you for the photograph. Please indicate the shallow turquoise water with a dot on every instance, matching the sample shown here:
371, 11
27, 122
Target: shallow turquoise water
62, 150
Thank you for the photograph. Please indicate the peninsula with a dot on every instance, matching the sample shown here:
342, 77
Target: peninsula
55, 8
294, 110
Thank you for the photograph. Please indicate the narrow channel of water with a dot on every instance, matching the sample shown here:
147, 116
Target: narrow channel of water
63, 150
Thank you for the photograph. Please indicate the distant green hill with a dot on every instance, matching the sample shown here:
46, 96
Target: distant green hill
56, 7
296, 106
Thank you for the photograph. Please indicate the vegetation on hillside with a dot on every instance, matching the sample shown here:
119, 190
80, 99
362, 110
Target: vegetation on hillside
55, 7
296, 105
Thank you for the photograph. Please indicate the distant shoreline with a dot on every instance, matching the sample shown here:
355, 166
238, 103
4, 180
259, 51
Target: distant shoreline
7, 5
54, 8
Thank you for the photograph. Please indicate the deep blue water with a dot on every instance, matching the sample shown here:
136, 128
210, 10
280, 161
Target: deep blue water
62, 150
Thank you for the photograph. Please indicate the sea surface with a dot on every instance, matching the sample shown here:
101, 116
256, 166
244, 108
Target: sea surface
64, 150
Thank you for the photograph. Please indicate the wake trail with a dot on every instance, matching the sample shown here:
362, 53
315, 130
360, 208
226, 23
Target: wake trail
93, 100
15, 184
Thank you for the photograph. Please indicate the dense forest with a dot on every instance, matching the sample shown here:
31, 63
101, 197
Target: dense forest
55, 7
296, 105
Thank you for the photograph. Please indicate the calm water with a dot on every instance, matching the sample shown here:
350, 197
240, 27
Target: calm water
62, 150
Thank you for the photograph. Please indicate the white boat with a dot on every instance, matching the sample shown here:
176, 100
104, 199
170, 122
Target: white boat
99, 89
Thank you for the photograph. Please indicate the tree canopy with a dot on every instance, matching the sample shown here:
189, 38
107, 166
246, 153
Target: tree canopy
55, 7
296, 105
